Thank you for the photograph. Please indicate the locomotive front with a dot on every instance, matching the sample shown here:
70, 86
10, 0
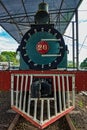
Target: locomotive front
42, 96
42, 47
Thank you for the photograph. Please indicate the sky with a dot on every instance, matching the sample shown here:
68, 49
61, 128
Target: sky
82, 24
7, 43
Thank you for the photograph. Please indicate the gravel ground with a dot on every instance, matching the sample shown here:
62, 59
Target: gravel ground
79, 114
58, 125
6, 116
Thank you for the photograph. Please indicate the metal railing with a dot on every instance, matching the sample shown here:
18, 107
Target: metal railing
42, 109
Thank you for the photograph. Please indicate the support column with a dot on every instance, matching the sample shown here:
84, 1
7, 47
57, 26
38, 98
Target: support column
77, 46
73, 47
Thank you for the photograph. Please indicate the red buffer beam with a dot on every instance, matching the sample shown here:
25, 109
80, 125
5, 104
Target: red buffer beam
80, 78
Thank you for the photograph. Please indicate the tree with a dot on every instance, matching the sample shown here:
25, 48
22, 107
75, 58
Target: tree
83, 64
2, 58
8, 56
70, 64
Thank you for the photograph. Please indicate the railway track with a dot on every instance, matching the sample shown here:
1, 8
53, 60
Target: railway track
71, 125
20, 123
84, 93
14, 122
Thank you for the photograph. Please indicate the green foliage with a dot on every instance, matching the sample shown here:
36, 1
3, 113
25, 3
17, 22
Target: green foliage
81, 104
83, 64
9, 56
2, 58
70, 64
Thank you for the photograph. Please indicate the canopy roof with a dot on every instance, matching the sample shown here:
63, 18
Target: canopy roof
17, 16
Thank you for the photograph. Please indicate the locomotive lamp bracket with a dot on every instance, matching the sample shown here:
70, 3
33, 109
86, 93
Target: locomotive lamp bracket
50, 55
51, 40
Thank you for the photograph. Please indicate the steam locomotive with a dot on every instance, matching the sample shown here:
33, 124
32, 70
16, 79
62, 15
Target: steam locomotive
40, 92
42, 48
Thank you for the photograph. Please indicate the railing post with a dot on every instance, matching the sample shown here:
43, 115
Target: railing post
42, 107
55, 98
29, 97
73, 90
59, 94
68, 95
25, 91
35, 109
63, 92
48, 108
21, 93
12, 89
17, 91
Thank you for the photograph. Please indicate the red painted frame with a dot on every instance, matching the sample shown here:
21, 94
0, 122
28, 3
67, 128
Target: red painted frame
80, 78
44, 125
